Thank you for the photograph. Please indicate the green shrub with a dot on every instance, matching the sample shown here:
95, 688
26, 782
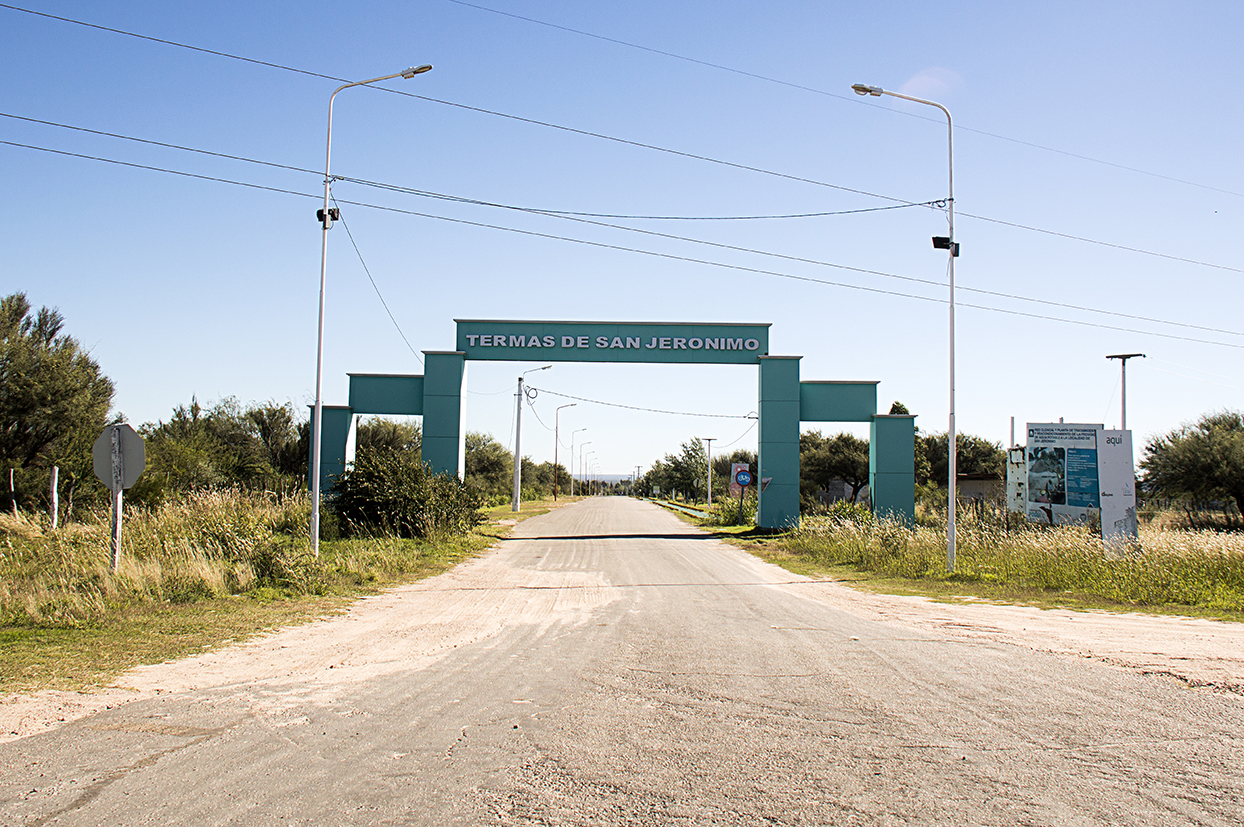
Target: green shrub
391, 492
725, 511
850, 512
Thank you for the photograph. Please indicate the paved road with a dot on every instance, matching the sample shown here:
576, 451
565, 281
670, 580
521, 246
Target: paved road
609, 665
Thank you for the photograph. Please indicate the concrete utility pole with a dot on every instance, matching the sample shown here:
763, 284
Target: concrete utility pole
556, 443
709, 441
516, 500
1123, 357
571, 468
582, 445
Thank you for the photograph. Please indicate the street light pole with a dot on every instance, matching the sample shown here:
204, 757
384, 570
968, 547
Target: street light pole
326, 217
709, 440
516, 500
949, 244
582, 445
571, 469
1123, 357
582, 457
556, 443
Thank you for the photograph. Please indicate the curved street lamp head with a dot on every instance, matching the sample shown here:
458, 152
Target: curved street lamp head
864, 89
326, 216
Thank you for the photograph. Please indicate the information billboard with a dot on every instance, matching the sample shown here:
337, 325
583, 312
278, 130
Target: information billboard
1077, 473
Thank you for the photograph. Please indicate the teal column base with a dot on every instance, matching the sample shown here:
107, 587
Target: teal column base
892, 466
779, 442
336, 443
444, 375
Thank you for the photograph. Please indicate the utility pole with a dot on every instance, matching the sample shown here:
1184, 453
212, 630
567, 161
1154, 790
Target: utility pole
557, 442
709, 441
516, 498
516, 501
1123, 357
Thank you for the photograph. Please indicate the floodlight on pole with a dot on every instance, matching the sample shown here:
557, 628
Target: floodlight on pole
557, 443
942, 243
326, 217
1123, 357
517, 500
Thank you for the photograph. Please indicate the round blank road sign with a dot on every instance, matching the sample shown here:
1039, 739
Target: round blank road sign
133, 455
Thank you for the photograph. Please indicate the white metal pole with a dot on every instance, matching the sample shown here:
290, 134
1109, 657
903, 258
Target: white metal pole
54, 504
327, 222
1123, 357
571, 469
118, 485
581, 456
516, 501
953, 445
1123, 395
556, 444
709, 441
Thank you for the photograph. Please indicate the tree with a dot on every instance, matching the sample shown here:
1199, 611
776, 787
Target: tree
684, 473
974, 455
721, 469
1203, 461
489, 466
54, 401
389, 491
260, 446
377, 433
840, 457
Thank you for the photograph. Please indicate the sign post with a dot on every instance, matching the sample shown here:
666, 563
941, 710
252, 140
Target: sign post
743, 478
119, 457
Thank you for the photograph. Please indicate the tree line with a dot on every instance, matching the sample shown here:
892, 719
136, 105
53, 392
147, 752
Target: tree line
55, 401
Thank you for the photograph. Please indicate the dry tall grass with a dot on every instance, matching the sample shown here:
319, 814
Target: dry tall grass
206, 545
1203, 569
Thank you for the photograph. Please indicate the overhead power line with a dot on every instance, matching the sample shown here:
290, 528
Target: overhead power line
849, 98
653, 147
579, 216
645, 410
375, 286
652, 253
460, 199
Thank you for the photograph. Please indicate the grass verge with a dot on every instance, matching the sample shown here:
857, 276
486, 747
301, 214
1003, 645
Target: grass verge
1185, 573
91, 640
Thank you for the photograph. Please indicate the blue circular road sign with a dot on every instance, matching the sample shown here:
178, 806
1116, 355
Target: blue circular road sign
743, 478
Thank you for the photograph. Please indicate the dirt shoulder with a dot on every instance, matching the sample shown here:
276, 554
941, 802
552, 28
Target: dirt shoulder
1196, 651
1204, 654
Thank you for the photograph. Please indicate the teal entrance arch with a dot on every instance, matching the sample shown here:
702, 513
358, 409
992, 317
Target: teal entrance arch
785, 400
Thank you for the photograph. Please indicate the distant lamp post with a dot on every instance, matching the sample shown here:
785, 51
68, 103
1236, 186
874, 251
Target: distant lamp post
708, 440
571, 469
942, 243
556, 443
326, 217
1123, 357
517, 501
582, 445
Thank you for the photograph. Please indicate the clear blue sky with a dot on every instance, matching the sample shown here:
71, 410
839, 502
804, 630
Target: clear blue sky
1115, 122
